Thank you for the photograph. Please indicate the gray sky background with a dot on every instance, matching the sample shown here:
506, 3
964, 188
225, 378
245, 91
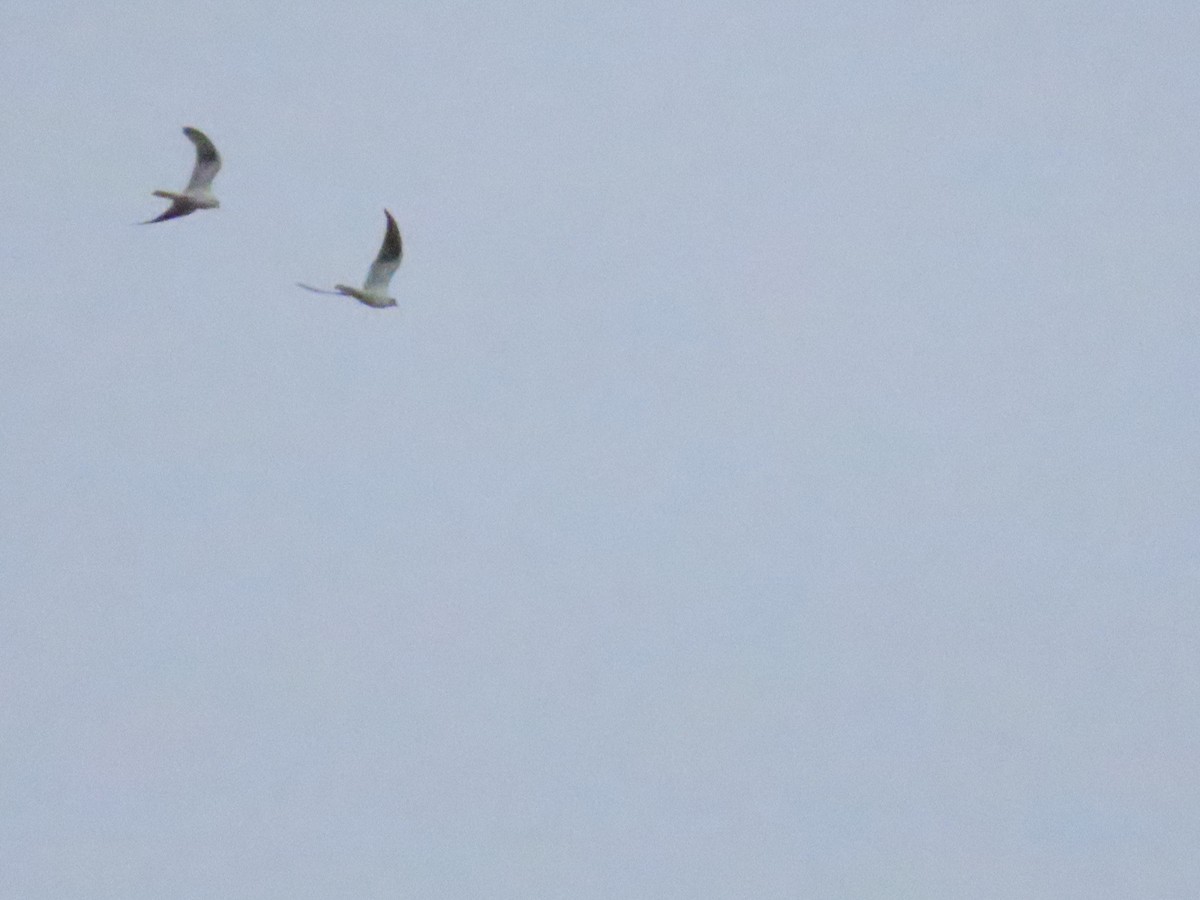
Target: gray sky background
778, 481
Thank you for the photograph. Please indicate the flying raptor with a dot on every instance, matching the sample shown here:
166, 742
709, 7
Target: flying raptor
374, 289
198, 193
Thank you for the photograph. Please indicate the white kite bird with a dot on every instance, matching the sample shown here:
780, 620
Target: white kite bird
374, 289
198, 193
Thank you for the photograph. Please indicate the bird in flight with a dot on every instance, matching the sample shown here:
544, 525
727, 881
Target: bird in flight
198, 193
374, 289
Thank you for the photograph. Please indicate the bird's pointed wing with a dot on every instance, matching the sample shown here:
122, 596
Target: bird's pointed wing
309, 287
387, 261
208, 161
174, 211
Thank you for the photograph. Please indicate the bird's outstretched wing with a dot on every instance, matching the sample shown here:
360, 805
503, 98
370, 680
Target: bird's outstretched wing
208, 161
309, 287
174, 211
387, 261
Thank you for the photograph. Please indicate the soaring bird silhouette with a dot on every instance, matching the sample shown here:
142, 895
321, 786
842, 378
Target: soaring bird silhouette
198, 193
374, 289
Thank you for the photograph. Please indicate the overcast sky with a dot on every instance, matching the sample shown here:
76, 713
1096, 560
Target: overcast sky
778, 480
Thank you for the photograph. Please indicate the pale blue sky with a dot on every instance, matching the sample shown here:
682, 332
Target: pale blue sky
778, 479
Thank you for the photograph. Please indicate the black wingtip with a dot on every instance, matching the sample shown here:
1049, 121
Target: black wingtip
391, 248
206, 150
170, 213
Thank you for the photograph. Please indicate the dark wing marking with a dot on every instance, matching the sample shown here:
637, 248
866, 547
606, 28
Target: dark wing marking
388, 260
208, 161
391, 250
174, 211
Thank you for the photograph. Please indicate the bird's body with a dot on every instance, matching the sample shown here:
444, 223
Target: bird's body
198, 193
374, 290
379, 300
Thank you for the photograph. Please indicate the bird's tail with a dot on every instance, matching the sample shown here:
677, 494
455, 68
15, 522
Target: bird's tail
167, 195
